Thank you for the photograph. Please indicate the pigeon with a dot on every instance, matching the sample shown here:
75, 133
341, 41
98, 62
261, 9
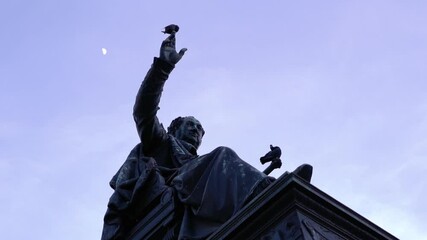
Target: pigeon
273, 154
170, 29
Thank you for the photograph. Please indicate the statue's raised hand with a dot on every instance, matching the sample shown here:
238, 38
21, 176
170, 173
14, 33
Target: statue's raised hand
168, 51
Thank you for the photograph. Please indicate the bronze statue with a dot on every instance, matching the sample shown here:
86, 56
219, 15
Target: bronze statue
212, 187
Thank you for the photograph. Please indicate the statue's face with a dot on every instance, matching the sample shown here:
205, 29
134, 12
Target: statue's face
190, 131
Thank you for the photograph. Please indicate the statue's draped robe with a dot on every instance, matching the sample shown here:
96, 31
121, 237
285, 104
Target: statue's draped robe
212, 187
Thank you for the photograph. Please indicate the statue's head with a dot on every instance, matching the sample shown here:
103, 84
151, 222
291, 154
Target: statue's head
187, 129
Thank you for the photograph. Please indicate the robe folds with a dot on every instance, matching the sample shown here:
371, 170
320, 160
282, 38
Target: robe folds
212, 188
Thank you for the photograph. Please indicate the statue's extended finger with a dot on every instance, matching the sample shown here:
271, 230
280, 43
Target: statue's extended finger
182, 52
169, 39
172, 40
165, 43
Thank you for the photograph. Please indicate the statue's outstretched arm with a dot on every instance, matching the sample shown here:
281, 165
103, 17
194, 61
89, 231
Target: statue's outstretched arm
150, 131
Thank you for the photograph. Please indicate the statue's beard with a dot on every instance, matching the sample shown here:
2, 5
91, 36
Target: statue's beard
192, 140
194, 143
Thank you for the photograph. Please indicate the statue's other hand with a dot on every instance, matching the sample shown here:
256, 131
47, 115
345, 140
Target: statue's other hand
168, 51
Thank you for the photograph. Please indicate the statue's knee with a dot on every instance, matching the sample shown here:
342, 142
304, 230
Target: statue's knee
225, 150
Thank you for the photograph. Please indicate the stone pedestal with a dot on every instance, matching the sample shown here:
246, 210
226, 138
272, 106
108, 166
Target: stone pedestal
292, 209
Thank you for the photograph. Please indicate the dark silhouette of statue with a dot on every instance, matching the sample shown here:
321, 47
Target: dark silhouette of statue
212, 187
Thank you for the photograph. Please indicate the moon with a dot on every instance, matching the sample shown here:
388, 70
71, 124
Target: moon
104, 51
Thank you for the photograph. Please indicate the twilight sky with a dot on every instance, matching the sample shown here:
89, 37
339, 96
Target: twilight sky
337, 84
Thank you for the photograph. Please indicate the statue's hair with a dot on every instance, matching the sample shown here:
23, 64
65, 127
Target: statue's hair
176, 123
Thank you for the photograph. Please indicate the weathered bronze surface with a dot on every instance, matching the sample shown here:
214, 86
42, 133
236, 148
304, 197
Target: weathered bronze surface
211, 188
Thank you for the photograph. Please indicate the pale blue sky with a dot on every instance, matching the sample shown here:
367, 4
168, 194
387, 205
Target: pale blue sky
337, 84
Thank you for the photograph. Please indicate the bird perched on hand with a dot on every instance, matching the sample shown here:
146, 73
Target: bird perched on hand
275, 153
170, 29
